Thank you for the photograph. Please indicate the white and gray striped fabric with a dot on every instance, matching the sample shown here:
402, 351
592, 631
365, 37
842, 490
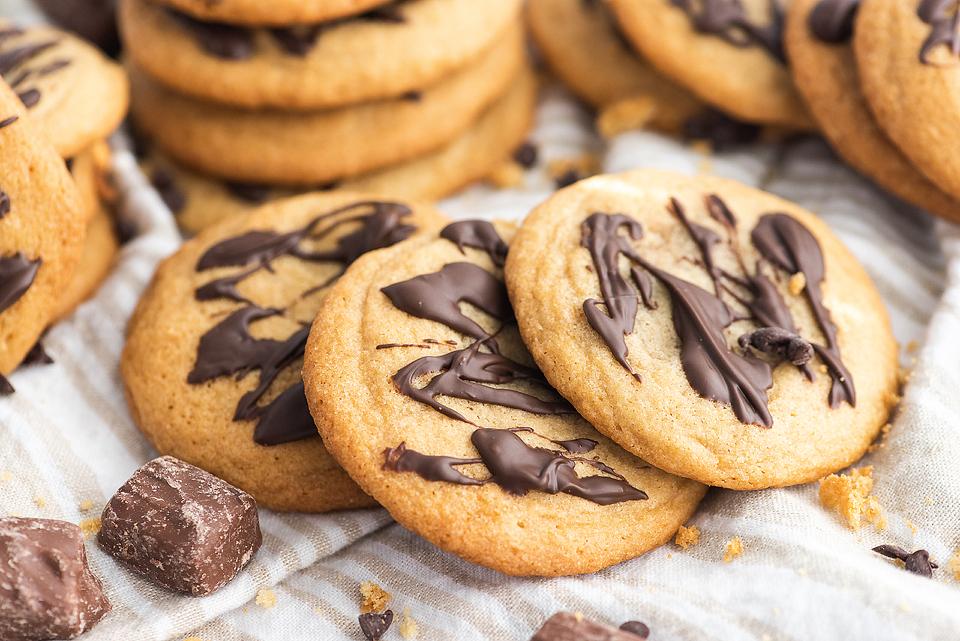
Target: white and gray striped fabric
67, 442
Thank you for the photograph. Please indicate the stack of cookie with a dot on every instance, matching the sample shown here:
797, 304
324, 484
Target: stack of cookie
74, 97
415, 98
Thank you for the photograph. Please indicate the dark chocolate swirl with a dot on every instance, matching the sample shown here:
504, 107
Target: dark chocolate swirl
728, 19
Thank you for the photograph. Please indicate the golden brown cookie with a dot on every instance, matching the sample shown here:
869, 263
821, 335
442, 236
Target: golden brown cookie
279, 13
584, 47
41, 232
199, 201
729, 53
318, 147
907, 58
719, 332
212, 360
421, 388
818, 38
74, 93
359, 60
100, 249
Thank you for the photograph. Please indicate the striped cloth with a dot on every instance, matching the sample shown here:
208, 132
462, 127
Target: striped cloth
67, 442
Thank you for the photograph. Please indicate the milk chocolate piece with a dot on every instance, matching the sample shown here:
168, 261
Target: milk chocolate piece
46, 589
181, 527
566, 626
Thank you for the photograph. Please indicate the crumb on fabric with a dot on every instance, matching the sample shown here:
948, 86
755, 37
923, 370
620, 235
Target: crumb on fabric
849, 495
913, 528
797, 283
953, 565
90, 527
881, 441
374, 598
687, 536
625, 115
6, 475
266, 598
733, 549
193, 639
507, 174
912, 347
40, 502
408, 626
86, 505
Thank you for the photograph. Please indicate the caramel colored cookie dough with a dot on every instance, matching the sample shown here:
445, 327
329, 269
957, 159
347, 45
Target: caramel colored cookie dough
325, 66
212, 360
100, 249
73, 92
421, 388
41, 231
318, 147
199, 201
910, 74
818, 39
730, 54
735, 339
583, 46
278, 13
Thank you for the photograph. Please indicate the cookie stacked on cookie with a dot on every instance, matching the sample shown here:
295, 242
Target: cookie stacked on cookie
75, 97
414, 98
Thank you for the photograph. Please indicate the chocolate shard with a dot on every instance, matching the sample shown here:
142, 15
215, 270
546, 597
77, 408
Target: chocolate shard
566, 626
916, 562
780, 343
374, 624
47, 591
181, 527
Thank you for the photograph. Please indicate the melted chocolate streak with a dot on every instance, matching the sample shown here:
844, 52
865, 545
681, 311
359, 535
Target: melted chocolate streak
228, 349
714, 370
16, 276
470, 374
728, 20
943, 16
16, 68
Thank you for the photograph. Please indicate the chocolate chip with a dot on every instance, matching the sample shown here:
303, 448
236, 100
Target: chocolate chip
249, 192
526, 155
29, 98
780, 343
4, 204
566, 626
47, 590
298, 41
374, 625
567, 178
37, 356
218, 39
6, 388
181, 527
917, 562
637, 628
8, 121
413, 96
720, 130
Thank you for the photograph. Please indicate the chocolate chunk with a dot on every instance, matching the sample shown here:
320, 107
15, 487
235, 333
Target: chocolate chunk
917, 562
780, 343
720, 130
37, 356
374, 625
6, 388
566, 626
181, 527
637, 628
526, 155
567, 178
47, 591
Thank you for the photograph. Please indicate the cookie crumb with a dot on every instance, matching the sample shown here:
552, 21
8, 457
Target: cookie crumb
193, 639
86, 505
5, 476
913, 528
375, 598
954, 565
625, 115
266, 598
566, 171
687, 536
733, 549
505, 175
90, 527
881, 441
849, 495
912, 347
40, 502
797, 283
408, 626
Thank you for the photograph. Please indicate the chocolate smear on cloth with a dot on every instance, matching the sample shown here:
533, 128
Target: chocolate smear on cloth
567, 626
832, 20
943, 16
47, 590
478, 373
181, 527
374, 625
700, 317
229, 349
916, 562
728, 19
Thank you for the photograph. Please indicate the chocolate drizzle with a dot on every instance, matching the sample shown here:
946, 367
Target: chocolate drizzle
17, 69
700, 317
728, 20
229, 349
832, 20
943, 16
471, 374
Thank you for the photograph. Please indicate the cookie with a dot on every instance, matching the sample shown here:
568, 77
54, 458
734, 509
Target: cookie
41, 231
277, 13
100, 249
736, 340
199, 201
818, 39
317, 147
583, 45
727, 52
909, 66
211, 365
384, 55
73, 92
421, 388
